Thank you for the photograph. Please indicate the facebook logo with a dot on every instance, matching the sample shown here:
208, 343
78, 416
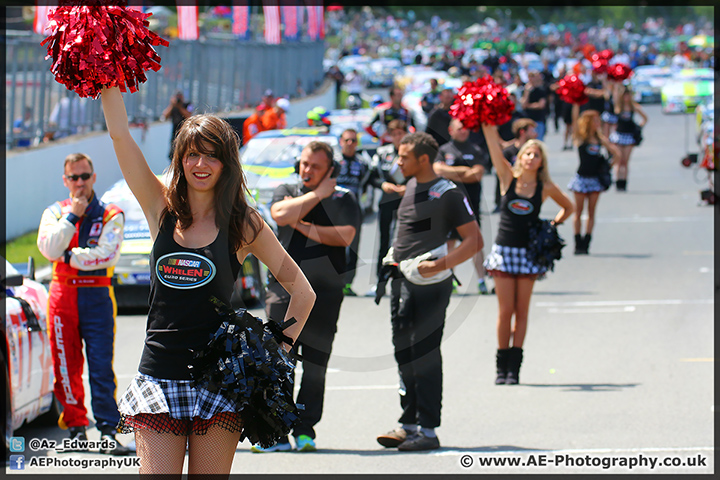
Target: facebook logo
17, 462
17, 444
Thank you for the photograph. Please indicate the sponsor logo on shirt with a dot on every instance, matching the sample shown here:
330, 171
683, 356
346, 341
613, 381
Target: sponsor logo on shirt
520, 207
184, 270
593, 149
449, 159
96, 229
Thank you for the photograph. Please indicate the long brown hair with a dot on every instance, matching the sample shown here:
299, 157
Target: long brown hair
584, 129
232, 211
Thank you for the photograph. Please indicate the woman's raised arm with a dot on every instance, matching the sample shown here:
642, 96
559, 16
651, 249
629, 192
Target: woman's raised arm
502, 166
146, 187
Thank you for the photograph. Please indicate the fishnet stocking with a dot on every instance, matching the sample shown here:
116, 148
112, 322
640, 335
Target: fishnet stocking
213, 452
160, 453
161, 443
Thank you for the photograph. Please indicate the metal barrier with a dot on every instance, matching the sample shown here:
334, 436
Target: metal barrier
215, 75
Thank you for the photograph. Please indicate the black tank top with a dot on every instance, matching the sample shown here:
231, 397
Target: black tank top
516, 213
181, 316
590, 160
625, 122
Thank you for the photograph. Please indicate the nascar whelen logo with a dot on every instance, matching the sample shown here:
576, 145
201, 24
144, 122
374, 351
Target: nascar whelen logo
521, 207
184, 270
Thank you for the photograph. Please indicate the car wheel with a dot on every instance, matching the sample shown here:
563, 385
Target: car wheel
51, 417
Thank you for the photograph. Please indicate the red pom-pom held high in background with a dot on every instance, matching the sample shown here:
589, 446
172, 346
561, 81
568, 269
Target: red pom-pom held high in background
619, 72
482, 101
571, 89
98, 45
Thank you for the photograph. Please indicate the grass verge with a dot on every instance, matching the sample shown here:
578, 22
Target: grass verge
19, 249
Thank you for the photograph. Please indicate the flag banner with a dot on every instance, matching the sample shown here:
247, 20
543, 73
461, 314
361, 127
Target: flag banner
290, 22
188, 22
241, 20
272, 23
41, 18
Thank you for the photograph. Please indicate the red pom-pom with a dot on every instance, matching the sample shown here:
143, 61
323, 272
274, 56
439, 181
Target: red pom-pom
101, 46
619, 72
606, 54
482, 101
599, 63
572, 90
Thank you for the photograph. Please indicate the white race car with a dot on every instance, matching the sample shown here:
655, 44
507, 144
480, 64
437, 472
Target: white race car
26, 357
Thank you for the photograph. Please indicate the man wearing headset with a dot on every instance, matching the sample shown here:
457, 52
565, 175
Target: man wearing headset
316, 221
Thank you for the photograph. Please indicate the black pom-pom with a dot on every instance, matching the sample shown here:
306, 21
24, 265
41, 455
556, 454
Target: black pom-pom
244, 362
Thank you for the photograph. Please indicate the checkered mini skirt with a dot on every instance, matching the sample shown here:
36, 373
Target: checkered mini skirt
582, 184
511, 260
622, 138
174, 406
608, 117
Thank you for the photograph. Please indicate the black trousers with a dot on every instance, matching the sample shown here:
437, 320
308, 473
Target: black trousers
418, 318
351, 256
387, 212
314, 344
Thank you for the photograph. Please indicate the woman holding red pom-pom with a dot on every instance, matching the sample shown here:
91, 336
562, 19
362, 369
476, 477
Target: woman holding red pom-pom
626, 134
524, 187
201, 220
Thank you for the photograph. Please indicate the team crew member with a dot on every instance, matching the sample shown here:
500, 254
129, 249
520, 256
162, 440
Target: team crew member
82, 237
353, 176
439, 118
464, 163
387, 176
274, 117
317, 221
431, 208
394, 112
535, 101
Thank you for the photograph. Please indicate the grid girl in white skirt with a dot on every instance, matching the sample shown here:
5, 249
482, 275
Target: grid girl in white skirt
202, 225
524, 187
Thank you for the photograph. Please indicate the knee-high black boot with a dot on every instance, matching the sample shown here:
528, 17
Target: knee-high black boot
516, 357
578, 244
586, 242
501, 364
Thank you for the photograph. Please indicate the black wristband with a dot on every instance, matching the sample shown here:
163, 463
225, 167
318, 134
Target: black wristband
72, 218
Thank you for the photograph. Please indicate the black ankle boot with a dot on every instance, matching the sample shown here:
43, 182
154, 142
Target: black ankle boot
513, 375
621, 185
586, 242
501, 365
578, 244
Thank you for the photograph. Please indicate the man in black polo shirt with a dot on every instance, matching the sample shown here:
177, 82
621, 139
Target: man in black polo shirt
439, 119
464, 163
535, 102
430, 209
316, 221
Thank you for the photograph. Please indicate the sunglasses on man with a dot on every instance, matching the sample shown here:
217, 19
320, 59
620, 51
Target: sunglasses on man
75, 178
